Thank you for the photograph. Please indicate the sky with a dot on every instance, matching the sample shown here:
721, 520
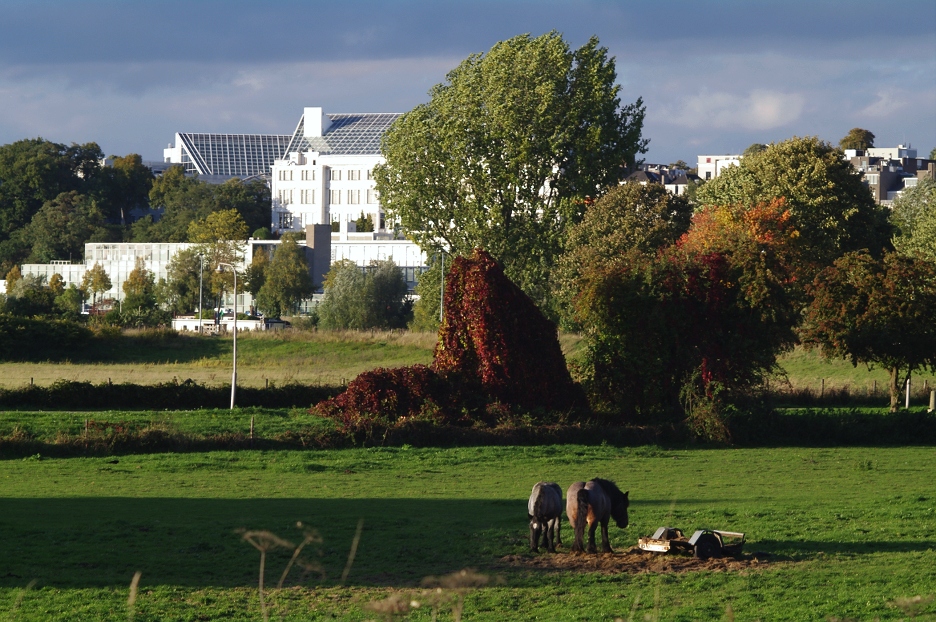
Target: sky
715, 75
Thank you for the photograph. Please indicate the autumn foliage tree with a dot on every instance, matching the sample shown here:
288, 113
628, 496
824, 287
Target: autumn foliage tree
496, 353
875, 311
689, 329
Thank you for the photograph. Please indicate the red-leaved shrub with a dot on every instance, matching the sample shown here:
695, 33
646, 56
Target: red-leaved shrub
497, 353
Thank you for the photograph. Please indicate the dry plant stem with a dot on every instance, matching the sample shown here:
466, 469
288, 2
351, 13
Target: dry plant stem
353, 551
131, 599
310, 536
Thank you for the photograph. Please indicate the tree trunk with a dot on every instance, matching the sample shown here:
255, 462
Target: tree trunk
894, 389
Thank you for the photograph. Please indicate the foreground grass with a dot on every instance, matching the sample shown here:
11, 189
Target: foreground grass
851, 531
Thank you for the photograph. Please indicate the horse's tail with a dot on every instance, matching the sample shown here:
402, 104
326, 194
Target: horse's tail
581, 518
538, 502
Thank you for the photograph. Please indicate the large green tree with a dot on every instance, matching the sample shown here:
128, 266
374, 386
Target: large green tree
829, 207
362, 299
123, 186
506, 151
61, 227
876, 311
914, 216
857, 138
631, 216
32, 173
287, 281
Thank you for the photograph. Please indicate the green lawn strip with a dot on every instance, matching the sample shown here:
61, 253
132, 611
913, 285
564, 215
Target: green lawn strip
47, 426
850, 530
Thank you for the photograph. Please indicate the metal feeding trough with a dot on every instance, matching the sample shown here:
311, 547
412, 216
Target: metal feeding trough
704, 543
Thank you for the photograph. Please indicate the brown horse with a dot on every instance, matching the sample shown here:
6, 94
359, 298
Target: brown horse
595, 502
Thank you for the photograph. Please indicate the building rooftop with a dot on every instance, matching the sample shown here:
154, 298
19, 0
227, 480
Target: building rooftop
229, 155
344, 134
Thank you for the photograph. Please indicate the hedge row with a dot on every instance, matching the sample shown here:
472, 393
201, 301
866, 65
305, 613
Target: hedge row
176, 395
810, 428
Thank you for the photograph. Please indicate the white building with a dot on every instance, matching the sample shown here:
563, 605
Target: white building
711, 166
326, 173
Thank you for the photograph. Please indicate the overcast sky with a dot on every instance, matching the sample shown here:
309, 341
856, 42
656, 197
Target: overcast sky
715, 76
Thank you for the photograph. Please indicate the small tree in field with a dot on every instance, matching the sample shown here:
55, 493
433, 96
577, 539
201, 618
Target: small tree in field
875, 311
96, 281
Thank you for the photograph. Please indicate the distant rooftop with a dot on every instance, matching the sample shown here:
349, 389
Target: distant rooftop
340, 134
227, 155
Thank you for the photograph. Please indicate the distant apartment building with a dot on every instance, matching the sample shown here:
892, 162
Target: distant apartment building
676, 181
888, 171
711, 166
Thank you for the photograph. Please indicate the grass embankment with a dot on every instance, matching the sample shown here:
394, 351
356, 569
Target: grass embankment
315, 358
850, 532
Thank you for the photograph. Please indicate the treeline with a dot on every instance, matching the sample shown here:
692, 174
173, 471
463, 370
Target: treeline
54, 198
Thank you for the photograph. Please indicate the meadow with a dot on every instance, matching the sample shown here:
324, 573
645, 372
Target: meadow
841, 533
849, 533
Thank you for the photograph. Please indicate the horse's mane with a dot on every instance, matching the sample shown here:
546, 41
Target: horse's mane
611, 489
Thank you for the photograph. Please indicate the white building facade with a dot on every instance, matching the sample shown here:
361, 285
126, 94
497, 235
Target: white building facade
711, 166
326, 174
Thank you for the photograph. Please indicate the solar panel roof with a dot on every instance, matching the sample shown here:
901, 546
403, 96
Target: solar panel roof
348, 134
239, 155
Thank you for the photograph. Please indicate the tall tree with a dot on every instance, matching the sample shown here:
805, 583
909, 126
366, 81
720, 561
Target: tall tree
362, 299
96, 281
829, 207
139, 288
61, 227
185, 270
251, 199
629, 216
914, 216
754, 148
182, 199
287, 280
505, 152
219, 236
124, 186
857, 138
876, 311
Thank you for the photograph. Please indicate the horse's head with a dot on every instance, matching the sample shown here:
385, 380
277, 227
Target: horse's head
619, 505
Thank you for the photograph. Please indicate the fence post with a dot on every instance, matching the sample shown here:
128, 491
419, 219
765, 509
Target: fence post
907, 398
932, 400
821, 388
251, 431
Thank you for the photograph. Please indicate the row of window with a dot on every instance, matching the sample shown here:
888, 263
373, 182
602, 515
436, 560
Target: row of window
333, 174
335, 197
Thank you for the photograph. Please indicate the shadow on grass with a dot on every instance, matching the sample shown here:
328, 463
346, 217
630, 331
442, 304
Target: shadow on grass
102, 541
97, 542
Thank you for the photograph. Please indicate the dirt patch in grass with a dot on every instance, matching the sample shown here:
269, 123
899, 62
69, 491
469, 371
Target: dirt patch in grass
632, 561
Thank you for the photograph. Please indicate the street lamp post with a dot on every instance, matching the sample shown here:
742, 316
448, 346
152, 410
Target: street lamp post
234, 375
442, 292
201, 270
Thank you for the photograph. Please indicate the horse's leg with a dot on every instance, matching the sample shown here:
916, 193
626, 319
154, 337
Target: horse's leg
534, 535
591, 537
605, 543
559, 529
550, 535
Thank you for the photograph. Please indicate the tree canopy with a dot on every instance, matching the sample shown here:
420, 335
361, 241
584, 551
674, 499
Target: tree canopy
286, 279
506, 150
356, 298
857, 138
869, 310
631, 216
829, 207
914, 216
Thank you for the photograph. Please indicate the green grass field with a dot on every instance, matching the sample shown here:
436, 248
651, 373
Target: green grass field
850, 531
